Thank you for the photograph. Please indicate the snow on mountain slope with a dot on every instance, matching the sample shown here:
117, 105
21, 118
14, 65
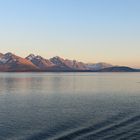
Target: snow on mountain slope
98, 66
11, 62
66, 63
40, 62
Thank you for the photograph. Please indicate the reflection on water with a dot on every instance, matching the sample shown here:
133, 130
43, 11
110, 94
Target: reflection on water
69, 106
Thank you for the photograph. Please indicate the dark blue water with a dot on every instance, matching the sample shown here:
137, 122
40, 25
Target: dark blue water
69, 106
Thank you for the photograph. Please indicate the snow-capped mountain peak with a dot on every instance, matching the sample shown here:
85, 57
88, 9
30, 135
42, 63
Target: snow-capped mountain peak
11, 62
31, 57
9, 54
40, 62
6, 58
66, 63
57, 60
37, 62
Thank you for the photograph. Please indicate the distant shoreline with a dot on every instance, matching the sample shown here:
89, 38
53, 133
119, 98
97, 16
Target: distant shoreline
70, 71
110, 69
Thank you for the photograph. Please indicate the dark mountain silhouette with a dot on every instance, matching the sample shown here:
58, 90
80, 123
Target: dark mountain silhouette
118, 69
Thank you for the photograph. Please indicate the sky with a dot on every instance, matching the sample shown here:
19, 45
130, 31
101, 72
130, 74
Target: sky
86, 30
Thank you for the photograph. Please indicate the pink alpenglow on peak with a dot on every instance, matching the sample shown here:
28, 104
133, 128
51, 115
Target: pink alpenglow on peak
40, 62
11, 62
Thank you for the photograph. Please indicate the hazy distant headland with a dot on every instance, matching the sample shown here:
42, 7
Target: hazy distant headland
10, 62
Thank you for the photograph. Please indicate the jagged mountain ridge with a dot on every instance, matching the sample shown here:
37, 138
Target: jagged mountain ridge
12, 62
40, 62
69, 64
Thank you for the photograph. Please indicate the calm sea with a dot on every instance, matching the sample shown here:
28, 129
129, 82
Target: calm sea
69, 106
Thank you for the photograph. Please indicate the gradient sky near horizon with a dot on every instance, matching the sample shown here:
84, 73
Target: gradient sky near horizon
86, 30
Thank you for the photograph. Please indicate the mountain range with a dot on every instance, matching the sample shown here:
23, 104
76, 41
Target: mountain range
10, 62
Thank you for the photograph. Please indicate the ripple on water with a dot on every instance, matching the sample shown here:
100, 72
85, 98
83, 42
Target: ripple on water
116, 127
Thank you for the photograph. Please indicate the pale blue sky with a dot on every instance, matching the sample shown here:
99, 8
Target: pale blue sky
86, 30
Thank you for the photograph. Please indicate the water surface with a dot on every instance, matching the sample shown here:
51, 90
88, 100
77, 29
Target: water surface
69, 106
